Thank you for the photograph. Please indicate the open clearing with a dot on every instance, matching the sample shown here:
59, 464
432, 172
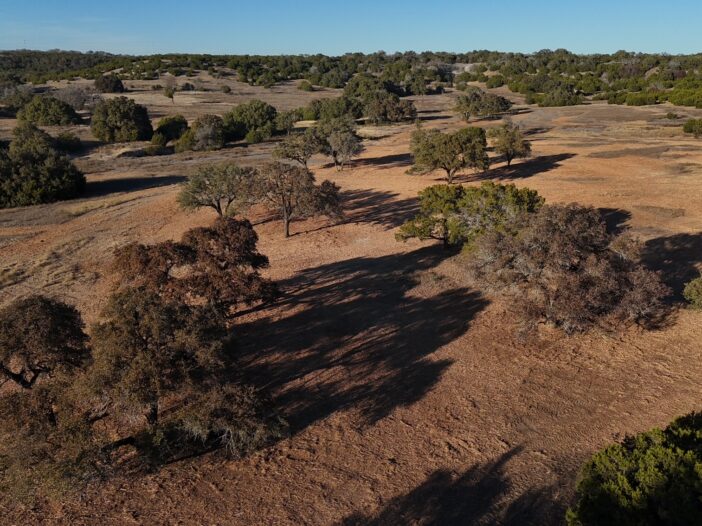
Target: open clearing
412, 398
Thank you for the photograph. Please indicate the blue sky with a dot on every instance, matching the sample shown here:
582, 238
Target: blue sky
334, 27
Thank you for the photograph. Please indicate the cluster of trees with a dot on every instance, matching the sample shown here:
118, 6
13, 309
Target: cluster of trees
289, 191
557, 264
556, 77
652, 478
481, 104
336, 138
34, 171
152, 383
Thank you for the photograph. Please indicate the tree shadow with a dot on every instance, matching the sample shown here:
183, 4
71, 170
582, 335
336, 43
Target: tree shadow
129, 184
677, 257
615, 219
378, 207
385, 161
350, 335
524, 169
475, 497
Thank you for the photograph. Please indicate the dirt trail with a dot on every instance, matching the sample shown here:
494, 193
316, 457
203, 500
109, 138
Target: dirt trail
411, 399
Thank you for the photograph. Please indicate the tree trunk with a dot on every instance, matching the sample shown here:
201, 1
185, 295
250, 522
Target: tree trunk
509, 161
152, 415
286, 223
449, 176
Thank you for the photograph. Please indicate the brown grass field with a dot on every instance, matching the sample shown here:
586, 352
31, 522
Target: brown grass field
412, 398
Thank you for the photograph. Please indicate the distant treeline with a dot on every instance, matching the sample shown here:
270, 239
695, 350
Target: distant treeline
549, 77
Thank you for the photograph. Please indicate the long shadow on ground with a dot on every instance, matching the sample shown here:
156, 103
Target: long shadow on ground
523, 169
129, 184
474, 497
350, 335
378, 207
676, 257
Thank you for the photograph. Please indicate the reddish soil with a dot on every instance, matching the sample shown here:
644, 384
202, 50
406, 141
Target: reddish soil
411, 397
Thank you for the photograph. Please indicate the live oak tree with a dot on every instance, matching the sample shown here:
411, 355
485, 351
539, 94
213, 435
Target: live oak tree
292, 192
299, 147
339, 140
220, 187
343, 146
217, 265
40, 337
451, 152
508, 141
457, 215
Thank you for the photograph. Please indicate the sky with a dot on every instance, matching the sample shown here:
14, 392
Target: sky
335, 27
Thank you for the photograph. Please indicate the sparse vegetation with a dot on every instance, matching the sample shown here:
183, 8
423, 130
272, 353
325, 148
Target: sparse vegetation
693, 126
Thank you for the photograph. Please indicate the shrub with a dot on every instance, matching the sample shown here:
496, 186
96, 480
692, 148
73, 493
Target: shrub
14, 99
564, 268
172, 127
121, 120
693, 293
285, 121
693, 126
495, 81
48, 111
32, 171
206, 133
225, 89
343, 146
259, 134
252, 115
457, 215
68, 142
652, 478
305, 85
109, 84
